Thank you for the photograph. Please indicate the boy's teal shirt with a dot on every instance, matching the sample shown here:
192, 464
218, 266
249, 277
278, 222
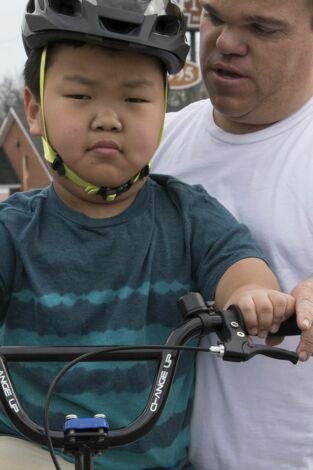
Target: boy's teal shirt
67, 279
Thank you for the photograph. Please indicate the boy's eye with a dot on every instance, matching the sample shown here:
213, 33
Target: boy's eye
79, 97
136, 100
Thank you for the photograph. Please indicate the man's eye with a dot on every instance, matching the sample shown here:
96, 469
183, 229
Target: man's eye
212, 18
263, 29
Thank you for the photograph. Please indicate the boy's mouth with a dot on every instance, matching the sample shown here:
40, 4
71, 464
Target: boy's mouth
106, 144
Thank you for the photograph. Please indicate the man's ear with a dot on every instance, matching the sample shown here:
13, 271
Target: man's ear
32, 112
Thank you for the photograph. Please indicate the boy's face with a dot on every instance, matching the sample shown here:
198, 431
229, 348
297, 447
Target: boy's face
104, 110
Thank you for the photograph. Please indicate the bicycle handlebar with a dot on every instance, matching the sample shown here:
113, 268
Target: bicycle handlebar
200, 319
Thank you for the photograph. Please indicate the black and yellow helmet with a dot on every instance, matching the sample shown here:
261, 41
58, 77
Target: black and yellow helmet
154, 27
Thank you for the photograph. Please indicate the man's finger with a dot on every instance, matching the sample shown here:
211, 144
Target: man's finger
303, 294
305, 347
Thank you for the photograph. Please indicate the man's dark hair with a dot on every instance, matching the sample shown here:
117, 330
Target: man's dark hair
310, 4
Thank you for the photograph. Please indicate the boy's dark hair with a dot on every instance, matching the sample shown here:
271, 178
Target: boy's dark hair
32, 72
32, 66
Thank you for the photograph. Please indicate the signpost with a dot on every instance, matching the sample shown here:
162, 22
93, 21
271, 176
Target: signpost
190, 75
192, 10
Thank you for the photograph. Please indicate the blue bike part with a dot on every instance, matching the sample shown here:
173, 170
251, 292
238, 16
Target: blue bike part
84, 424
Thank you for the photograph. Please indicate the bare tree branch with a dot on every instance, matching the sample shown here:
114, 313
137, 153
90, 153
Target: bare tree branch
11, 95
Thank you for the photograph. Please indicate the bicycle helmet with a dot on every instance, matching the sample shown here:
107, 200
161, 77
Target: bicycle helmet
155, 27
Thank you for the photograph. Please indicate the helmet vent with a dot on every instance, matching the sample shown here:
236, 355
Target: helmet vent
167, 25
120, 27
66, 7
30, 6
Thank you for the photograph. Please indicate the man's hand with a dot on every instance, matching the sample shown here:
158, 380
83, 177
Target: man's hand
303, 294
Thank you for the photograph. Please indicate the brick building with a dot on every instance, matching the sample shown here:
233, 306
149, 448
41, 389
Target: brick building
21, 163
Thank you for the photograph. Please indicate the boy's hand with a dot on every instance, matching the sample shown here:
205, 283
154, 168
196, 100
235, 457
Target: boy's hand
263, 309
250, 284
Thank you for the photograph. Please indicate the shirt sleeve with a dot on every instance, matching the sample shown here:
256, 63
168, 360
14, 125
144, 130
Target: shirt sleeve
218, 241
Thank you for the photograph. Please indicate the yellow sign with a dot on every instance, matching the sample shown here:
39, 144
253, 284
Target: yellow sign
188, 77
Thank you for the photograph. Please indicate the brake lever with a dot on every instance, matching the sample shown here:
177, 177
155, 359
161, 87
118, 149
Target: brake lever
237, 346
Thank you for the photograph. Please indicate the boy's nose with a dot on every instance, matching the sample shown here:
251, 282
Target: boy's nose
107, 120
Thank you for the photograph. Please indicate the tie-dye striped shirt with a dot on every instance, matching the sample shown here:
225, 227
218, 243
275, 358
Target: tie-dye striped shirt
67, 279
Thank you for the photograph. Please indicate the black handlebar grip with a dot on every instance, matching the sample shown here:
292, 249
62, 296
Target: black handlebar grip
289, 328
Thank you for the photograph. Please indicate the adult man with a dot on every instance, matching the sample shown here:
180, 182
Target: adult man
251, 145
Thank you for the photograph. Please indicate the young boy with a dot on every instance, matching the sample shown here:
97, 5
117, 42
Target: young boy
101, 256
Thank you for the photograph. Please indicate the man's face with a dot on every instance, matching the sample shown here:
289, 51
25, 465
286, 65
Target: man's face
256, 59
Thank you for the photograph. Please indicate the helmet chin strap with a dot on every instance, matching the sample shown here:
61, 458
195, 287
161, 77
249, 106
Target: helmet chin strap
108, 194
57, 164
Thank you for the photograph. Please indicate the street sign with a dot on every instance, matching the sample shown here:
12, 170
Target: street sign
192, 10
188, 77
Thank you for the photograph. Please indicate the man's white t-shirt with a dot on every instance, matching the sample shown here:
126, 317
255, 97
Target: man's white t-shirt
256, 415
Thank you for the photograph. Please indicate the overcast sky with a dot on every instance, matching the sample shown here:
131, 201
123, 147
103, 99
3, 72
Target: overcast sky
12, 55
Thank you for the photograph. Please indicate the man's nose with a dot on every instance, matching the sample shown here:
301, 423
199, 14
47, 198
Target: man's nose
231, 41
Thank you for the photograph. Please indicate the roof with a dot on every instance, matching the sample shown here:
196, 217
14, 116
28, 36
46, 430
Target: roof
8, 177
35, 142
20, 118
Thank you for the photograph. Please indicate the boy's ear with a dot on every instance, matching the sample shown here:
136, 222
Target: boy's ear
32, 112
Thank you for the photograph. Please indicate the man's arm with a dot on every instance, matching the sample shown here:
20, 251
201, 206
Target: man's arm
251, 285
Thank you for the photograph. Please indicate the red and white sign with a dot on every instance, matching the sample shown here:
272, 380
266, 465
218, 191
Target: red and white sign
4, 194
188, 77
192, 10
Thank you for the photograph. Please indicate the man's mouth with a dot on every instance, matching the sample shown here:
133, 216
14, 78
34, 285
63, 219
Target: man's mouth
227, 73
